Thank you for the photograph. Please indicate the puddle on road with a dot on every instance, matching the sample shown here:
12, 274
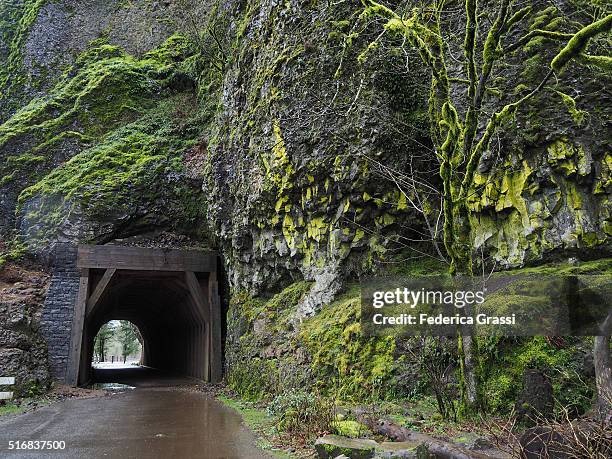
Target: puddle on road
112, 387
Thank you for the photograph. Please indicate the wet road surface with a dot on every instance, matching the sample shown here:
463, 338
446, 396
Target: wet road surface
154, 420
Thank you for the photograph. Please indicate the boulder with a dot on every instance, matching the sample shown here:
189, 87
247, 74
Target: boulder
400, 449
336, 446
332, 446
540, 441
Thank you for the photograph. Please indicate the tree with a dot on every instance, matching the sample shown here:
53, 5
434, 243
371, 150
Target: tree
102, 341
460, 128
128, 337
205, 23
603, 369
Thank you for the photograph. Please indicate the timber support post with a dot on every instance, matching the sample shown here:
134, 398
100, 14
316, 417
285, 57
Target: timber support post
78, 321
216, 367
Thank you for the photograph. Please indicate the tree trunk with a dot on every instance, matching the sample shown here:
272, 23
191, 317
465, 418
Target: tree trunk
462, 267
433, 447
470, 379
603, 369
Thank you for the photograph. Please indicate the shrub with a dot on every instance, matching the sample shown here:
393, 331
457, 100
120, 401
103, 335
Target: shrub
301, 413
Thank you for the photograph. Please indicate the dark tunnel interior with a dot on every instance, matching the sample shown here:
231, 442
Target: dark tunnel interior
174, 329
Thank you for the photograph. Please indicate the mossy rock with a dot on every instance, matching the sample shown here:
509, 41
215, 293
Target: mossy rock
331, 446
351, 429
344, 360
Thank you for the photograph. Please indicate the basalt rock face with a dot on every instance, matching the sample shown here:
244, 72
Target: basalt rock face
294, 174
545, 193
23, 352
280, 145
98, 118
41, 39
296, 179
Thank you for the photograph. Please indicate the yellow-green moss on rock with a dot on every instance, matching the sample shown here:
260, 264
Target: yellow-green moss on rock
347, 363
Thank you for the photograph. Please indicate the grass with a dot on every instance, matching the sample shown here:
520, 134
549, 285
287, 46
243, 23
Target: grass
11, 408
258, 421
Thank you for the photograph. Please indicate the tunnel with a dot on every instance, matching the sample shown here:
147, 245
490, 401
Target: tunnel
119, 340
170, 296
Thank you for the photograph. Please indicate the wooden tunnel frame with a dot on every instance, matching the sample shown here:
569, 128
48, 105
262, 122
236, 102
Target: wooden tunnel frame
193, 271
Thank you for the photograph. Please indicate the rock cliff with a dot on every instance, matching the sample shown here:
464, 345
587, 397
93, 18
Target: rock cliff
282, 140
23, 352
258, 128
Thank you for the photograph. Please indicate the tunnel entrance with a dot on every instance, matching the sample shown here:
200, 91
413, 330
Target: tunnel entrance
118, 341
171, 296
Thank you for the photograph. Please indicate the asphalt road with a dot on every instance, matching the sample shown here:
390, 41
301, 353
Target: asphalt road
153, 420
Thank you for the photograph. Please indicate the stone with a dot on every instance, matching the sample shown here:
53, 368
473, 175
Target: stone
536, 400
327, 285
538, 442
480, 443
473, 442
56, 322
23, 350
332, 446
399, 449
260, 326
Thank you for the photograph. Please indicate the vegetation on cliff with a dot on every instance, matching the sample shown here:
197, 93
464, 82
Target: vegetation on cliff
121, 127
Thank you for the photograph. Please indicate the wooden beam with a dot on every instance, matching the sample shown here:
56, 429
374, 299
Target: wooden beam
216, 354
150, 275
78, 321
201, 357
196, 293
141, 259
95, 297
206, 339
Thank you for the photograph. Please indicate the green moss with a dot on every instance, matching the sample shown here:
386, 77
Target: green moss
541, 18
567, 157
504, 381
580, 41
346, 363
512, 188
250, 375
105, 89
289, 297
13, 249
602, 185
175, 49
602, 266
130, 167
570, 103
16, 20
126, 122
604, 63
513, 208
351, 429
532, 67
254, 379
